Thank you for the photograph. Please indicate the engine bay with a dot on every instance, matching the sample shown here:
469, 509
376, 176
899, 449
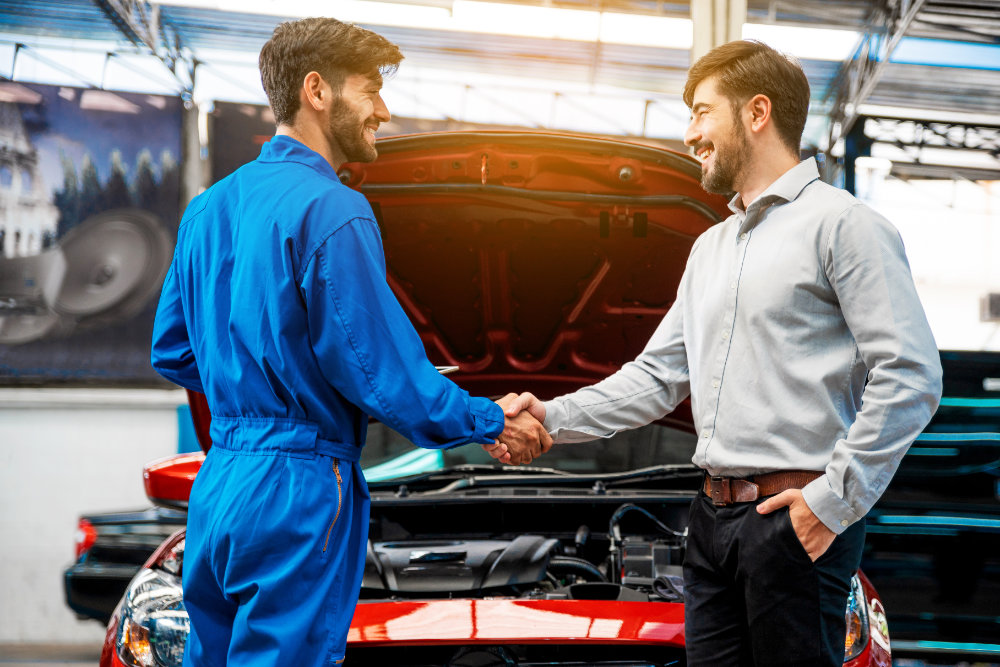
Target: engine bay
610, 548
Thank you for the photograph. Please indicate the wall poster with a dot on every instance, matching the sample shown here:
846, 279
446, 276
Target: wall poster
89, 206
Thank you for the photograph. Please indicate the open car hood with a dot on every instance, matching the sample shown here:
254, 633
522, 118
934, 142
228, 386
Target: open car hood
531, 261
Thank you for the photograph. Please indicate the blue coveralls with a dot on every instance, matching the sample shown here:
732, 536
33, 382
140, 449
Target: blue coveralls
276, 307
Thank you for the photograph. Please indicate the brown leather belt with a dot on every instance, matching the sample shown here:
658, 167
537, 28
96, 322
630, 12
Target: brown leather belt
728, 490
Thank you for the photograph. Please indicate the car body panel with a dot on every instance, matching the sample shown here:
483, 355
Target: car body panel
516, 622
94, 583
168, 481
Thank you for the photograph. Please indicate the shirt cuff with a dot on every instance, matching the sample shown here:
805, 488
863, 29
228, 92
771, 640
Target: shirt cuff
488, 420
828, 507
556, 416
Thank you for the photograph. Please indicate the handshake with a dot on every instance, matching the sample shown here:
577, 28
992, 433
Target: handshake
524, 438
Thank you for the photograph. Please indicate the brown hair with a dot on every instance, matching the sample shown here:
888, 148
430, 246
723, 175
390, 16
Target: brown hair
746, 68
330, 47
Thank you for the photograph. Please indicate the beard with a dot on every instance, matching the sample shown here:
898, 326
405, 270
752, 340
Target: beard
346, 130
730, 158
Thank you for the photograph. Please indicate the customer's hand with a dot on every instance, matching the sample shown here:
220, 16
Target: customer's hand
526, 401
815, 537
523, 438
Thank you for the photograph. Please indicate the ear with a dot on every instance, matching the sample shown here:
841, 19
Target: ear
315, 92
758, 111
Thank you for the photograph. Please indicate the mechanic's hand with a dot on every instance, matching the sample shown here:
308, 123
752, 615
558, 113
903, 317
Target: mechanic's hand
815, 537
523, 438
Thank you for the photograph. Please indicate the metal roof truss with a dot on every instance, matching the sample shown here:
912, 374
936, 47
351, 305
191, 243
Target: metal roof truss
142, 25
858, 77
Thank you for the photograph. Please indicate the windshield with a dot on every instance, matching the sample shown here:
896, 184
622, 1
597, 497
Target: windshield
388, 455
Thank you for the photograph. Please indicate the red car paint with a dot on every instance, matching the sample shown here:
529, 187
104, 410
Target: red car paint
467, 622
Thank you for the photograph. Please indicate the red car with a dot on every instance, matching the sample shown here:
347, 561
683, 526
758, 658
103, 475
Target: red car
533, 262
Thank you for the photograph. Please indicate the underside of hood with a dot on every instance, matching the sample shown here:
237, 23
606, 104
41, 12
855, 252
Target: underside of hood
533, 261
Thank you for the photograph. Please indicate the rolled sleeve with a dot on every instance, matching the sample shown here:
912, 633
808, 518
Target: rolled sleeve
641, 392
867, 267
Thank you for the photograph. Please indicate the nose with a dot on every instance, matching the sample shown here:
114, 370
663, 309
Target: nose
381, 110
691, 134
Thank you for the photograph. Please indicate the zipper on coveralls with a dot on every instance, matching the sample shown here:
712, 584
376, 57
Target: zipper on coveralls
336, 471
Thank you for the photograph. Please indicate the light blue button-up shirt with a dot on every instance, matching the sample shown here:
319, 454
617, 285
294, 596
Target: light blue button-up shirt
799, 335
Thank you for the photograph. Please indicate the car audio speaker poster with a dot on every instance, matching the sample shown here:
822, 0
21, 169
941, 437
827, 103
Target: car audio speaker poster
89, 206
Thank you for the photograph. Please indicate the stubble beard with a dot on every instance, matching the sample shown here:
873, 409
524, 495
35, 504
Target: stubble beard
346, 131
730, 160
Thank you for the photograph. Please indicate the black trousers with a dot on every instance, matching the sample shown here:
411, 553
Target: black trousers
752, 595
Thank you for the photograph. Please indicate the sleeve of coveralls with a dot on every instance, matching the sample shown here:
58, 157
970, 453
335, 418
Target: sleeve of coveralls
641, 392
371, 353
867, 267
171, 355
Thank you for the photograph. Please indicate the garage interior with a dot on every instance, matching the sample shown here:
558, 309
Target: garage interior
905, 113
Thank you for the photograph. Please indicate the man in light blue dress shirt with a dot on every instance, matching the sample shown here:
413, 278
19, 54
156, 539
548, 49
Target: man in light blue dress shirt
798, 333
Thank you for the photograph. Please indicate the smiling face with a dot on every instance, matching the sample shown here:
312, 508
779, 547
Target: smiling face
355, 116
718, 139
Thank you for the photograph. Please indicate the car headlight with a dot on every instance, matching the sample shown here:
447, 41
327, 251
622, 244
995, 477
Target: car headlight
154, 624
857, 621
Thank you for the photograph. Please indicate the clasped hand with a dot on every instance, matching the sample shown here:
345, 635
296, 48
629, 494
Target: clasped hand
523, 438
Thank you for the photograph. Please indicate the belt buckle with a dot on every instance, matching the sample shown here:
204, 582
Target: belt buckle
719, 490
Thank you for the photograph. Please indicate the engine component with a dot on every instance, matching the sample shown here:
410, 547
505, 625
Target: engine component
456, 565
643, 562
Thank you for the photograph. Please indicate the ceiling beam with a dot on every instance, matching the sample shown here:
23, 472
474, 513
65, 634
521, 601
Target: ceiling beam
139, 22
715, 22
858, 76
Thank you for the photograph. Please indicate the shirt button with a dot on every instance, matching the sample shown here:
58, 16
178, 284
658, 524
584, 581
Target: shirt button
732, 285
715, 383
725, 335
706, 434
743, 236
843, 522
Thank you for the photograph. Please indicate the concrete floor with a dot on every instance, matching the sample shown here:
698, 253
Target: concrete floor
49, 655
78, 655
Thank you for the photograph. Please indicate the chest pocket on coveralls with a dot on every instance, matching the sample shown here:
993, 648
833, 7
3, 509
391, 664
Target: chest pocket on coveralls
340, 502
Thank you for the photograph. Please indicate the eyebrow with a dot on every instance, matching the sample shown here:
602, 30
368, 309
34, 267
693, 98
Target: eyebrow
699, 106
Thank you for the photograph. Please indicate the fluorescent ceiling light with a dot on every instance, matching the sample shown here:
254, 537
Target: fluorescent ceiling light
548, 22
353, 11
805, 43
103, 100
16, 93
477, 16
642, 30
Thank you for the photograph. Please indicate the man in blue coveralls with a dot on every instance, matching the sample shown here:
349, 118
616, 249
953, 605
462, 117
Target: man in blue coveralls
276, 307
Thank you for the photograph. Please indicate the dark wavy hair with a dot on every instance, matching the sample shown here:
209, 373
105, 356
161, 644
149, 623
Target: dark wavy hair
330, 47
746, 68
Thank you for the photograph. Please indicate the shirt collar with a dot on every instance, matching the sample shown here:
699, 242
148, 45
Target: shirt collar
282, 148
788, 186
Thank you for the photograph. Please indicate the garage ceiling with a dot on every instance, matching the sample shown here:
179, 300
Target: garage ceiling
943, 56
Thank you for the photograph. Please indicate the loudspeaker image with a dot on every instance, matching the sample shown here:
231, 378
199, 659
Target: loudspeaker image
89, 204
